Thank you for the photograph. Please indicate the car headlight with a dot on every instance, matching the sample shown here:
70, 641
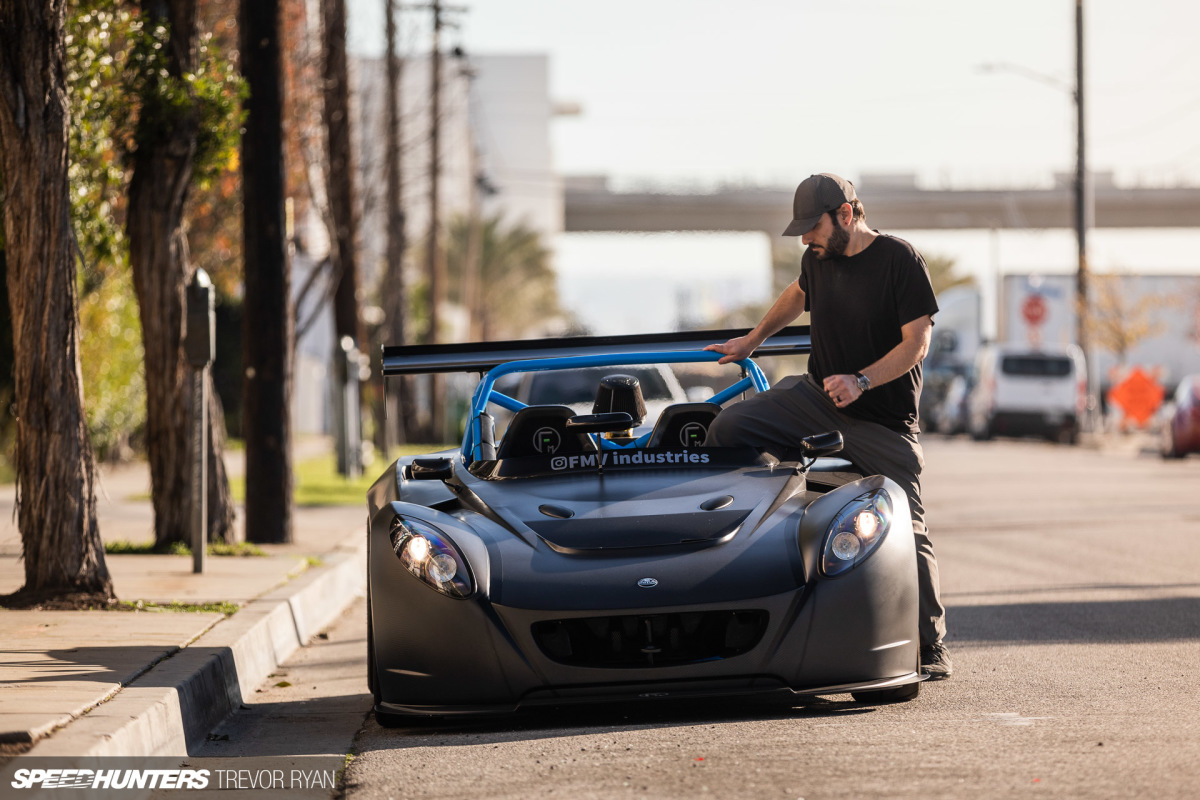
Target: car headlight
430, 555
856, 531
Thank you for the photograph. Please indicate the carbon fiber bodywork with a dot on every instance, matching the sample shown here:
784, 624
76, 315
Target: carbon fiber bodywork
675, 580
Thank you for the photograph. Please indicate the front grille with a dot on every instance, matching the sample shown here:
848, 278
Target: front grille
650, 640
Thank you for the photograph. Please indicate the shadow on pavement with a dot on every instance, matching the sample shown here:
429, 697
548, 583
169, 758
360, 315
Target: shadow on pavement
1107, 621
313, 727
554, 722
101, 664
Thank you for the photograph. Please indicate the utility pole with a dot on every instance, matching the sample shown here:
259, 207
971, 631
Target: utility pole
347, 322
1081, 208
437, 393
395, 421
435, 267
267, 333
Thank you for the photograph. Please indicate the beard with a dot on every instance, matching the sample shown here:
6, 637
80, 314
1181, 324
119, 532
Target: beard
835, 245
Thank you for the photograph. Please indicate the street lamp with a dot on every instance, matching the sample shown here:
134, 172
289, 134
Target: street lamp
1080, 184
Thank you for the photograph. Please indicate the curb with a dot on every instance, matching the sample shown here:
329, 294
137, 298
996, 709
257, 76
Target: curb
172, 707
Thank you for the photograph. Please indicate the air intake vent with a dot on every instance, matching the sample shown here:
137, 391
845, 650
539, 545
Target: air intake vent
655, 640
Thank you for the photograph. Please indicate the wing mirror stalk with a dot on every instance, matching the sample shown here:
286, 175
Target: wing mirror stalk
822, 444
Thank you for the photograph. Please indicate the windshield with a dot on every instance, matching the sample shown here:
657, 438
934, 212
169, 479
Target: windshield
1036, 366
575, 386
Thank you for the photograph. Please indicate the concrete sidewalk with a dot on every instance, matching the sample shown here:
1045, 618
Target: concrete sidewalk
154, 682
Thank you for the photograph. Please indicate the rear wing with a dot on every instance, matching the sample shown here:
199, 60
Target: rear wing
417, 359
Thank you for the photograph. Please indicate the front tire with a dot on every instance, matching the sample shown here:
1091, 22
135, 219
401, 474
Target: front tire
984, 432
1169, 451
387, 720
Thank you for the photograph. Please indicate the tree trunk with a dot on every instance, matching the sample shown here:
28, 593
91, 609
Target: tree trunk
267, 360
162, 174
56, 500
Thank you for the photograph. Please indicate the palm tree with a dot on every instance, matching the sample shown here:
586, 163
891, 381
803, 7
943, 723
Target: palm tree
509, 289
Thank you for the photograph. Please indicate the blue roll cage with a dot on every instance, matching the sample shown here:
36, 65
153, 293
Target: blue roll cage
486, 392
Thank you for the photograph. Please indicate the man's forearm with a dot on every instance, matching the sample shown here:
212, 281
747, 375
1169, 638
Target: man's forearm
900, 359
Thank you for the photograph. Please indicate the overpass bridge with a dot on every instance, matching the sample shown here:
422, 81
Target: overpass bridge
591, 206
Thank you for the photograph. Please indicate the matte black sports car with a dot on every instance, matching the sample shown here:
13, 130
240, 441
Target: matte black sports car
576, 561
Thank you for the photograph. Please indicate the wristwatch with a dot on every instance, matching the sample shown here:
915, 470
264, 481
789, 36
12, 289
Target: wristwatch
864, 382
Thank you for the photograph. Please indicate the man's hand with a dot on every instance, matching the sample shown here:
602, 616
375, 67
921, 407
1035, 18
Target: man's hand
735, 349
842, 389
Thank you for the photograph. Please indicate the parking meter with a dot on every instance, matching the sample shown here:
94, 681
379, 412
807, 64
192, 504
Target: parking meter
200, 339
199, 346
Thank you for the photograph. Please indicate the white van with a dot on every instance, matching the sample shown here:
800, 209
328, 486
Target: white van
1022, 391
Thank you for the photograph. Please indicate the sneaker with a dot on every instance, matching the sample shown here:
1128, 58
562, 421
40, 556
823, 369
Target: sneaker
935, 661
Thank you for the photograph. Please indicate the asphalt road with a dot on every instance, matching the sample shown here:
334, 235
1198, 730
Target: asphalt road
1072, 577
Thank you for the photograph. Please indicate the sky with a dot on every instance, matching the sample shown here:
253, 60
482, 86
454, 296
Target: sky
696, 93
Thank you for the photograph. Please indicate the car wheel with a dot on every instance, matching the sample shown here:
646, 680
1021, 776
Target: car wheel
386, 720
984, 433
1168, 449
372, 678
899, 694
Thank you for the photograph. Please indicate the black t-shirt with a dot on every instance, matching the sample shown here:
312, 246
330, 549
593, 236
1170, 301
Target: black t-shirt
858, 305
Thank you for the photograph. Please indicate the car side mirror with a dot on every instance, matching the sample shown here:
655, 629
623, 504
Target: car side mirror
600, 423
822, 444
430, 469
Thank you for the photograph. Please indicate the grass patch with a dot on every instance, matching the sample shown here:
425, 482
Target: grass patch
239, 549
224, 607
319, 484
123, 548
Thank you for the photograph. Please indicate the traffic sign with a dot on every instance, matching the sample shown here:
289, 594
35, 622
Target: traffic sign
1138, 396
1034, 309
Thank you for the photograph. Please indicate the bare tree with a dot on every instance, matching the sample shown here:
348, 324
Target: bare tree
56, 473
1120, 319
346, 322
163, 166
268, 336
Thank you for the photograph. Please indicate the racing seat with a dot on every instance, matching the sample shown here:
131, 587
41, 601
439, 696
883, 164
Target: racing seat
542, 430
683, 425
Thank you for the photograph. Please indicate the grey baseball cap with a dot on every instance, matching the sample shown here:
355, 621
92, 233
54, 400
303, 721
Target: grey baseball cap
816, 195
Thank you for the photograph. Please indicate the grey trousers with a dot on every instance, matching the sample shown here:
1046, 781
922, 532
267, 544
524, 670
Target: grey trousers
796, 407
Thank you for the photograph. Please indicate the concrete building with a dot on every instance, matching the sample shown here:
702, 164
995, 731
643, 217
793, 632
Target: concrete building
495, 145
495, 151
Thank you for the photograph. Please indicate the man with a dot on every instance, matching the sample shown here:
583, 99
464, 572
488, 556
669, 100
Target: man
872, 308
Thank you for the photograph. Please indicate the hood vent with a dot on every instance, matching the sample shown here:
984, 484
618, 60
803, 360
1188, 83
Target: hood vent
591, 534
716, 503
558, 512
